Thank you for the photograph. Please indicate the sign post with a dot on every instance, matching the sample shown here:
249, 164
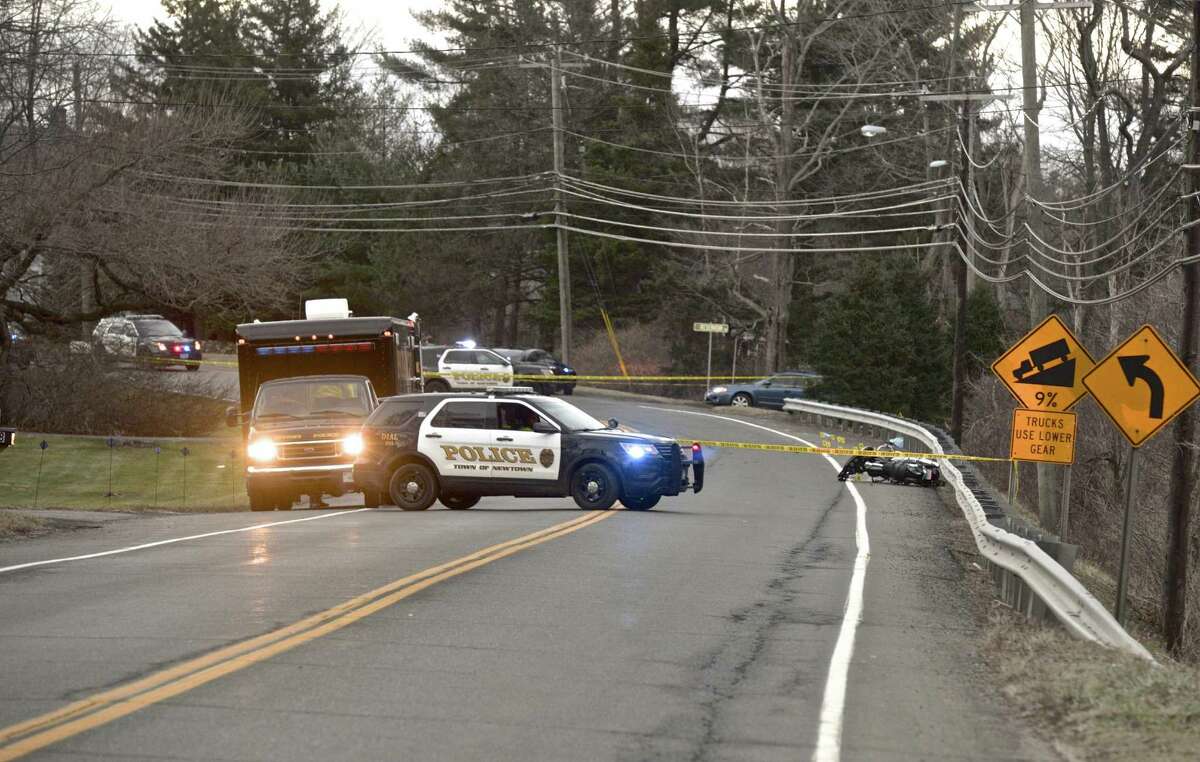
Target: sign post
1141, 385
1122, 612
1044, 371
710, 329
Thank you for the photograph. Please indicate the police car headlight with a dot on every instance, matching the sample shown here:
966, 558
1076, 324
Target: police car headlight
160, 346
352, 444
719, 390
637, 450
262, 450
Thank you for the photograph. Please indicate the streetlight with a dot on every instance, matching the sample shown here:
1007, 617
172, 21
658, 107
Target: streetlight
873, 130
938, 163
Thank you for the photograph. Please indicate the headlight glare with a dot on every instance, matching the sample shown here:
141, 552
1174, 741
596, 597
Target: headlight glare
197, 346
719, 389
352, 444
161, 346
262, 450
637, 450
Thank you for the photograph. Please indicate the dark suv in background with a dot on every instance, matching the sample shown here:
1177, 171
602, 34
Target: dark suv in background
145, 338
538, 359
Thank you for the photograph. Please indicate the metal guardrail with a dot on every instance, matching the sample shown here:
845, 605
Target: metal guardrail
1020, 558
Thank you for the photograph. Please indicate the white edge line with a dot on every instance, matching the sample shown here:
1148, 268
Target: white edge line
833, 703
144, 546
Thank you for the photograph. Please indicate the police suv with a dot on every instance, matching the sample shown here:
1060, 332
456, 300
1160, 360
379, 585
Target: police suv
458, 447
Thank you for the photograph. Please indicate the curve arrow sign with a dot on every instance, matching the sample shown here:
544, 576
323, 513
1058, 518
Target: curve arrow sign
1134, 367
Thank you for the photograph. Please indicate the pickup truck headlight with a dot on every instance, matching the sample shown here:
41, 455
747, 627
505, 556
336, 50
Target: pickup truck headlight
718, 390
262, 450
637, 450
197, 346
352, 444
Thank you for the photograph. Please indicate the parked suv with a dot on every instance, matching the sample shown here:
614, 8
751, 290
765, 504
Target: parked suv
145, 338
538, 360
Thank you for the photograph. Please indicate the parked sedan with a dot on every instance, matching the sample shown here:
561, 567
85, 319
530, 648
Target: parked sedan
767, 392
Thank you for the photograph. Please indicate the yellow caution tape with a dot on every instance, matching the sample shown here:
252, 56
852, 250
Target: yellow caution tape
560, 379
488, 375
851, 451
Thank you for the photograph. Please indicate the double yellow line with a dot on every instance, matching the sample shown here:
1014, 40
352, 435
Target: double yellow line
106, 706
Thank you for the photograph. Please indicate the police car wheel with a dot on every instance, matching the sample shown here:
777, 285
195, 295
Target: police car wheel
413, 487
640, 502
741, 399
436, 386
459, 502
594, 487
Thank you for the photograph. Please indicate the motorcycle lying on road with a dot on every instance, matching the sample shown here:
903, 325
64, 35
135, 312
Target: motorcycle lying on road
921, 472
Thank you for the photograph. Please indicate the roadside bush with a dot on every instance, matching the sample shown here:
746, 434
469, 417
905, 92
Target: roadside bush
646, 353
73, 394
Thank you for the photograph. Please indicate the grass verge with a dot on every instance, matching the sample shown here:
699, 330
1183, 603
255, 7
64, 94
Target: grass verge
74, 472
18, 525
1100, 704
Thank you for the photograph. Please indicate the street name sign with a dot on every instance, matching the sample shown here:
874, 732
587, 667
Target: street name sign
1043, 436
711, 327
1045, 369
1142, 385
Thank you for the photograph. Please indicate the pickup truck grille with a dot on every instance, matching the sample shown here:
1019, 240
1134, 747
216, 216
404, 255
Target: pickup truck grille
303, 450
668, 451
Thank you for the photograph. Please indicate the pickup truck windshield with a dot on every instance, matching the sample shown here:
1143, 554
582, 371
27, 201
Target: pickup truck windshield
324, 399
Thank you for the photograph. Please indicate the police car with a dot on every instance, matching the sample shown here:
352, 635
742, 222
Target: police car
459, 447
463, 368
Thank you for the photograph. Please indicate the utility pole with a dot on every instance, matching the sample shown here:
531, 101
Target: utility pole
1183, 461
960, 286
969, 251
564, 264
1047, 476
87, 280
1049, 492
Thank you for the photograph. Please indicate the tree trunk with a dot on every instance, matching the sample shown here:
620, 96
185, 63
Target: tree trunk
783, 264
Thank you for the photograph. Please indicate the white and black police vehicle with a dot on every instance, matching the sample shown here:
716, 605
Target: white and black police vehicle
459, 447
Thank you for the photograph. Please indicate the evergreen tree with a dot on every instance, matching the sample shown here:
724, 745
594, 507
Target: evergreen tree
283, 60
307, 65
880, 347
188, 55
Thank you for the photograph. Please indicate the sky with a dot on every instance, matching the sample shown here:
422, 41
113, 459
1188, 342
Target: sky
391, 21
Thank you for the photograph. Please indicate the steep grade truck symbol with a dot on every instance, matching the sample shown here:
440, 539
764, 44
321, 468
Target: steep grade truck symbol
1034, 370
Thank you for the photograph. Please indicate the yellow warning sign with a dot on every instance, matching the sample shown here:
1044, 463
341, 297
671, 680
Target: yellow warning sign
1142, 385
1043, 436
1045, 369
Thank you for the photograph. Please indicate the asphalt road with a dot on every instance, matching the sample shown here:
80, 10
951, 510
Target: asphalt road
702, 630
